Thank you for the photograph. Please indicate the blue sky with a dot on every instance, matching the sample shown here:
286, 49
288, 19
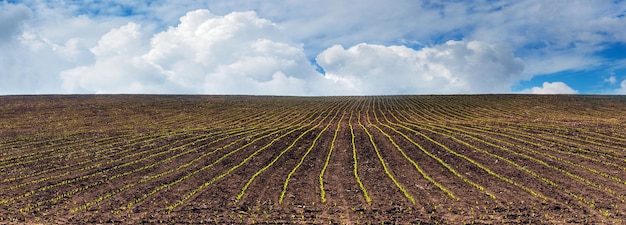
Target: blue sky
321, 47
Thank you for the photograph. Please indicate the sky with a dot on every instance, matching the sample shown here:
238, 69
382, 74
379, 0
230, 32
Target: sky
312, 48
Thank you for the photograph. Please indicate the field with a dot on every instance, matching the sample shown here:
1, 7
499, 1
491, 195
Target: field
477, 159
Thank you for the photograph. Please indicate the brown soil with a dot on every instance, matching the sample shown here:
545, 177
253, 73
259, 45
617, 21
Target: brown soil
484, 159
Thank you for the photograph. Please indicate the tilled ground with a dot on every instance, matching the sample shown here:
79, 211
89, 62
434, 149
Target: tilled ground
484, 159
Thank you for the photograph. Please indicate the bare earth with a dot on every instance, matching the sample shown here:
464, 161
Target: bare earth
477, 159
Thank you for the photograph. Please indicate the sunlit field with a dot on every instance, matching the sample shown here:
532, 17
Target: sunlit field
471, 159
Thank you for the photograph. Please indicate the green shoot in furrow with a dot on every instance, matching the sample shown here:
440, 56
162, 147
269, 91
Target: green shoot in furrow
560, 139
464, 157
616, 179
382, 161
29, 147
588, 138
247, 159
417, 167
581, 149
552, 183
584, 136
327, 161
69, 180
441, 110
286, 183
460, 108
425, 117
605, 137
188, 175
447, 128
144, 180
510, 107
447, 111
59, 144
426, 112
119, 190
275, 131
468, 159
47, 155
121, 159
257, 173
64, 155
355, 161
583, 144
228, 134
577, 177
431, 155
115, 155
532, 192
551, 166
111, 178
330, 152
116, 159
36, 155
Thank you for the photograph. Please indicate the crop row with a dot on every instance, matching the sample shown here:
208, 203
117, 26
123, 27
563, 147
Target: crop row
427, 157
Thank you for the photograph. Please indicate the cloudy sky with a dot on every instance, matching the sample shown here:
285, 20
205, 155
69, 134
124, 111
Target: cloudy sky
323, 47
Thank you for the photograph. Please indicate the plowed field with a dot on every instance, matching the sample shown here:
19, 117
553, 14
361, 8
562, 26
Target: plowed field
478, 159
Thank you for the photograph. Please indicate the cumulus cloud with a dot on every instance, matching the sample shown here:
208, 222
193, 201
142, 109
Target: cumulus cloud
551, 36
116, 68
452, 67
551, 88
241, 53
163, 47
238, 53
44, 41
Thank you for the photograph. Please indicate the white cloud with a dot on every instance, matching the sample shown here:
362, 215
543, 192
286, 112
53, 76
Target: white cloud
238, 53
622, 89
46, 42
100, 48
12, 18
550, 36
116, 69
551, 88
611, 79
452, 67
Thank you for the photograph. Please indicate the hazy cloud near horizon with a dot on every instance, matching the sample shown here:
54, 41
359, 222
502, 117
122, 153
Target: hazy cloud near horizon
298, 49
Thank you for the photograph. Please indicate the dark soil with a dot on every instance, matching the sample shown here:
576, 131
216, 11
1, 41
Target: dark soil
478, 159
